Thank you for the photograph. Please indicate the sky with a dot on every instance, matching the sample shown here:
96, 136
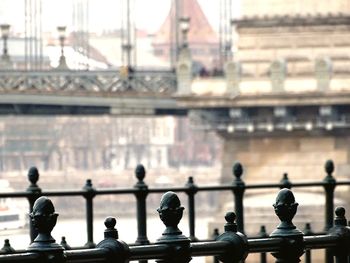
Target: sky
104, 14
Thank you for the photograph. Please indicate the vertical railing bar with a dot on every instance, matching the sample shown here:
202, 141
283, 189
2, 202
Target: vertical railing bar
214, 237
329, 187
89, 195
238, 192
308, 232
141, 195
192, 190
263, 234
35, 192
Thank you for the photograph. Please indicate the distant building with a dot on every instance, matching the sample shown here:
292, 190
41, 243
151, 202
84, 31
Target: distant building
202, 39
102, 143
306, 40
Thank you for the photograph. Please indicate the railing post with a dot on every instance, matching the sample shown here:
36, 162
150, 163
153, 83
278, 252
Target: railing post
191, 191
44, 220
170, 212
118, 251
7, 249
89, 196
342, 231
329, 186
262, 234
64, 243
141, 195
34, 191
214, 237
237, 251
293, 246
238, 192
308, 232
285, 182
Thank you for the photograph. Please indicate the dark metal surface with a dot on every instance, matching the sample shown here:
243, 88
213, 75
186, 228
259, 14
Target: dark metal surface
141, 191
238, 192
292, 247
141, 196
170, 212
286, 243
89, 196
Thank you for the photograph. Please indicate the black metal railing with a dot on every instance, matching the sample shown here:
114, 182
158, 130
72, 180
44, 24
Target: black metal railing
141, 191
286, 243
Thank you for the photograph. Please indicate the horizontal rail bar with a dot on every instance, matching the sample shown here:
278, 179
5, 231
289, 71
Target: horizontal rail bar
86, 255
264, 244
153, 251
321, 241
165, 189
210, 248
27, 257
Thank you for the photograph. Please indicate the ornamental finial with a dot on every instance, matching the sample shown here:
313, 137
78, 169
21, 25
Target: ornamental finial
237, 170
170, 212
44, 220
230, 225
329, 167
285, 208
110, 231
140, 173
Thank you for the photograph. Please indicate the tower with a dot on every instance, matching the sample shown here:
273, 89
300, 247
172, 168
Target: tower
203, 41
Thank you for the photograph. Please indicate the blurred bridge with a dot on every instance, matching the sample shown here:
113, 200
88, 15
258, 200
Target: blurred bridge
87, 92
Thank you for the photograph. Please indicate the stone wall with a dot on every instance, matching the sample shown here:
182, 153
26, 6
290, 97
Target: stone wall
290, 7
265, 159
299, 46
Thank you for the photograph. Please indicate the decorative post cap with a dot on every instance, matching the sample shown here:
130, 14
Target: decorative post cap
170, 212
192, 187
140, 173
190, 181
340, 219
110, 231
118, 251
262, 231
307, 230
33, 177
285, 208
44, 220
237, 170
7, 249
285, 181
90, 190
342, 231
88, 185
64, 243
329, 167
237, 250
329, 179
230, 225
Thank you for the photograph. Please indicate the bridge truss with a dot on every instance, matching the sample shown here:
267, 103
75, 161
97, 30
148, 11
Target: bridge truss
87, 81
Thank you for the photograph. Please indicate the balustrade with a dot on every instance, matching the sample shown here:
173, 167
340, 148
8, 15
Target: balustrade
286, 243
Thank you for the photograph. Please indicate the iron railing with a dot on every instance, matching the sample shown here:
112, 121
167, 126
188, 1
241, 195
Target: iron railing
286, 243
155, 81
141, 191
